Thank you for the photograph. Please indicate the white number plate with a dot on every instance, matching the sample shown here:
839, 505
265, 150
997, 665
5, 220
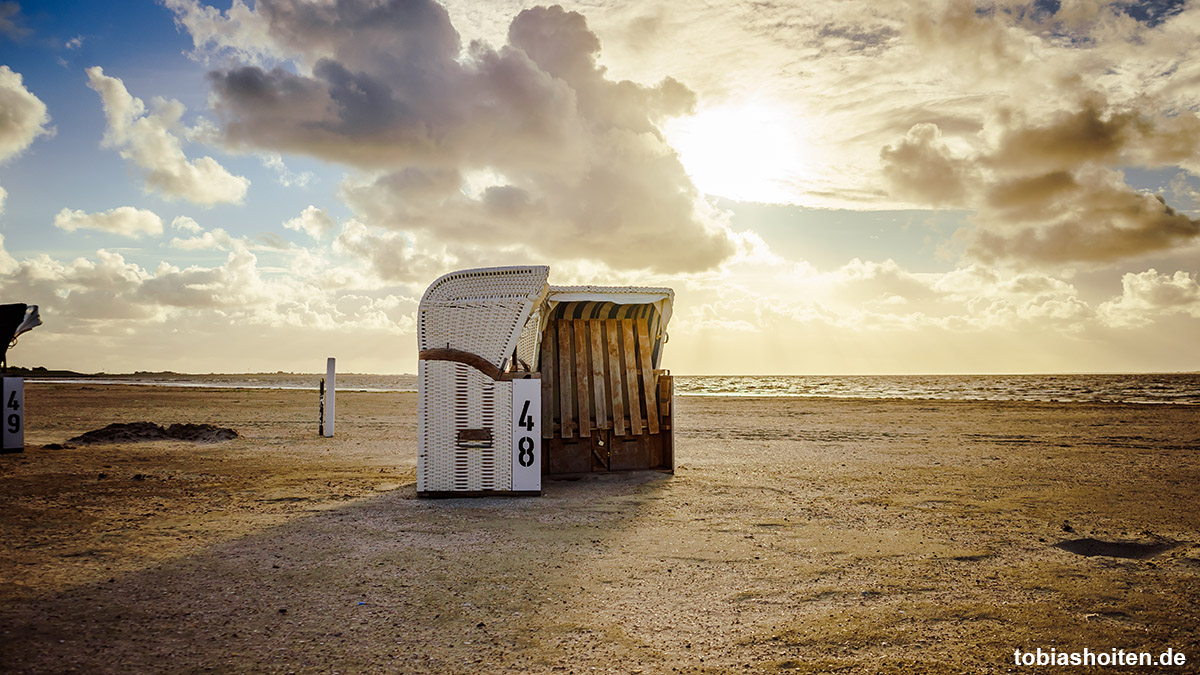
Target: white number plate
14, 413
527, 436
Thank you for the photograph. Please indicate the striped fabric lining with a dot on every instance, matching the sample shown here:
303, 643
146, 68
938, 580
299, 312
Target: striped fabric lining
612, 310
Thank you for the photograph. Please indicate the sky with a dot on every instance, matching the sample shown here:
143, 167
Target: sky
845, 187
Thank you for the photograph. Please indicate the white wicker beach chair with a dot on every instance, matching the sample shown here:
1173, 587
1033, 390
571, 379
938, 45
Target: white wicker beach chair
477, 332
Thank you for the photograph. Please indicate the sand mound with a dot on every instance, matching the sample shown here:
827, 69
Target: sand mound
137, 432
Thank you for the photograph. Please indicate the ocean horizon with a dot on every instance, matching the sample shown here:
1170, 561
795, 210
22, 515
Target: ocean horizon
1141, 388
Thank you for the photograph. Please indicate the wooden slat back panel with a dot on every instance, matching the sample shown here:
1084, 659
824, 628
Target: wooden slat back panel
649, 382
565, 391
631, 377
548, 368
615, 385
597, 374
581, 378
600, 400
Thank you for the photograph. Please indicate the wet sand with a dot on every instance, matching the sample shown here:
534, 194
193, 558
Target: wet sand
797, 535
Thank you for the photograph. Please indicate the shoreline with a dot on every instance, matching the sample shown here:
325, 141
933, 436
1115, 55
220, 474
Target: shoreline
692, 394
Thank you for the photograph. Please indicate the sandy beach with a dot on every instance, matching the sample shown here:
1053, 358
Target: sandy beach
796, 535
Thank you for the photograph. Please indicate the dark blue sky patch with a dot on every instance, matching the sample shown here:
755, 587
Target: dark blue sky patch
1153, 12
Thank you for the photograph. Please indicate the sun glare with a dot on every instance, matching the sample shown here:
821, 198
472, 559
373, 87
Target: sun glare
742, 151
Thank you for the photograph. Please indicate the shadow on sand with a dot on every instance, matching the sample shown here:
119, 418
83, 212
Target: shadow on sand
388, 582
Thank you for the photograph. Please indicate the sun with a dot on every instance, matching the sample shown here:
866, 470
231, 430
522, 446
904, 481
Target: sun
745, 151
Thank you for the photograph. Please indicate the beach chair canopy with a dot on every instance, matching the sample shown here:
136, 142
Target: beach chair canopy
614, 302
16, 318
481, 311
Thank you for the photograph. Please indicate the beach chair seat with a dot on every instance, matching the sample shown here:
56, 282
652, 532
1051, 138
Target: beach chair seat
605, 404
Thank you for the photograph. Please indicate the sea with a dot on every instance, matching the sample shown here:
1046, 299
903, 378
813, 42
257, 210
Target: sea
1153, 388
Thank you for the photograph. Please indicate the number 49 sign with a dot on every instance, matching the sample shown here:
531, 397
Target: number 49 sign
527, 436
13, 399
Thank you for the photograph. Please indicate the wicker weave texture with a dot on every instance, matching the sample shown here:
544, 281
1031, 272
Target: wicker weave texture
481, 311
484, 312
530, 341
455, 397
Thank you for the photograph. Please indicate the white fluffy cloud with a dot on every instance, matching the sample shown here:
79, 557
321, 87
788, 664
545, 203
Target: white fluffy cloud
314, 221
151, 140
217, 239
1148, 295
285, 176
186, 224
145, 316
23, 116
123, 220
239, 29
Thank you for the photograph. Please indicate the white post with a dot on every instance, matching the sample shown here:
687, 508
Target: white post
12, 396
329, 387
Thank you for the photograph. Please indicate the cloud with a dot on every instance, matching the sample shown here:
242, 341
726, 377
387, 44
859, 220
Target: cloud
186, 224
285, 176
1184, 193
24, 115
1148, 295
123, 220
1096, 131
106, 295
981, 43
151, 141
83, 292
238, 30
315, 222
922, 168
1066, 98
1041, 187
1089, 216
10, 27
215, 239
390, 254
579, 165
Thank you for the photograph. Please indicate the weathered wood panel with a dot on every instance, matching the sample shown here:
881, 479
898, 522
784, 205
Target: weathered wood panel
631, 376
612, 333
648, 381
565, 392
600, 400
581, 378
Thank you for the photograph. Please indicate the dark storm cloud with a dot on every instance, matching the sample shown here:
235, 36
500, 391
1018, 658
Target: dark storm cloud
578, 164
1096, 222
1041, 189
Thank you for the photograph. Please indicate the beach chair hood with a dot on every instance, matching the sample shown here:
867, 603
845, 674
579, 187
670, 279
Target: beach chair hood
614, 302
480, 311
15, 319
